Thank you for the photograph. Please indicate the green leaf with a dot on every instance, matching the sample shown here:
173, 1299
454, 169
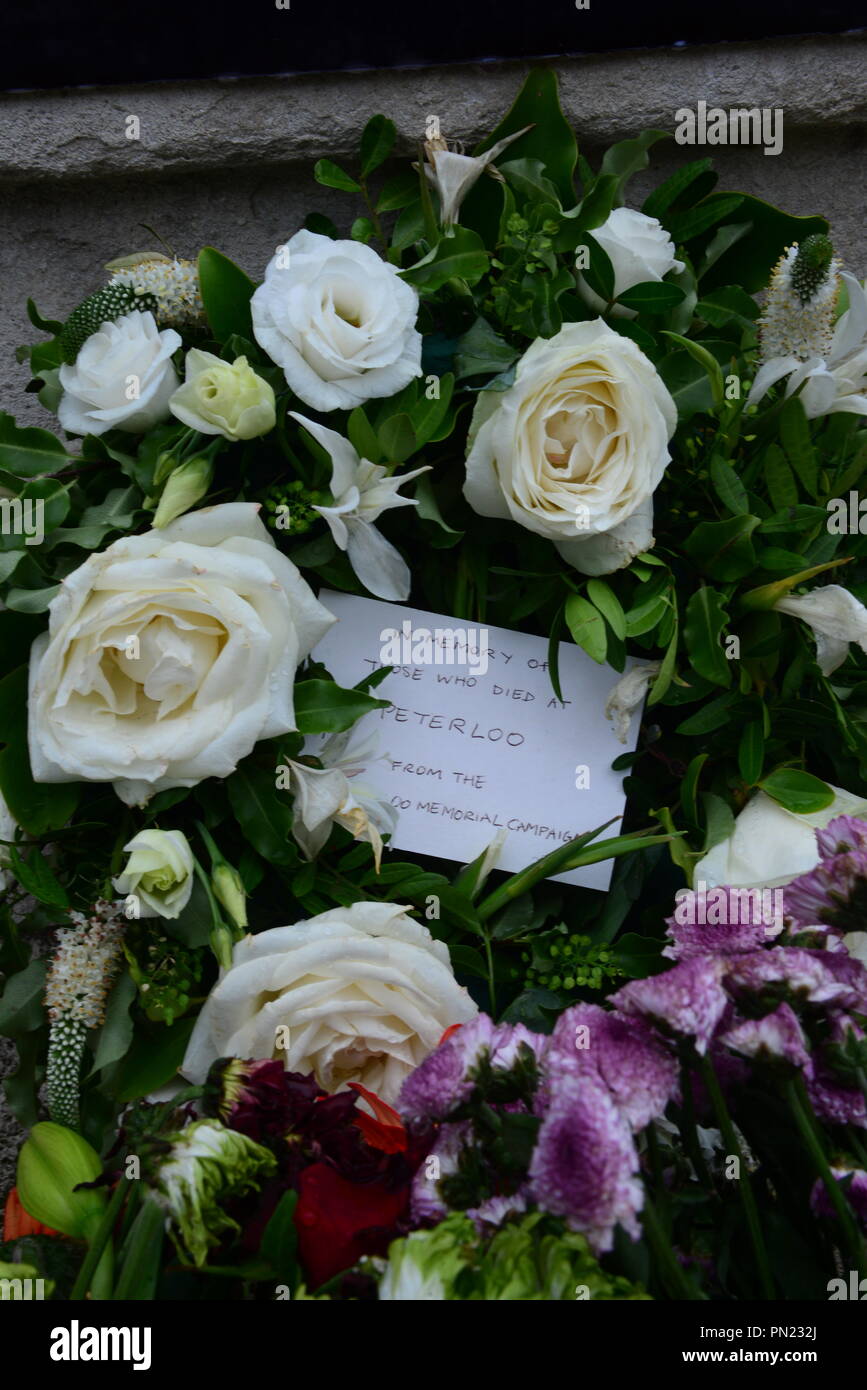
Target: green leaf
482, 350
711, 716
705, 359
324, 707
116, 1033
550, 139
397, 438
770, 232
527, 176
377, 143
226, 294
36, 877
326, 172
727, 305
751, 752
587, 627
280, 1240
795, 438
629, 157
728, 486
782, 488
609, 605
798, 791
428, 414
666, 671
689, 787
263, 812
428, 506
397, 192
361, 230
723, 549
693, 222
599, 274
637, 955
704, 622
29, 452
31, 600
594, 209
362, 436
152, 1060
673, 189
21, 1007
460, 255
44, 325
37, 806
719, 820
652, 297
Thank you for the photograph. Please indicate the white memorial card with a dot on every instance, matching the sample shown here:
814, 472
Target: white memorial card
474, 741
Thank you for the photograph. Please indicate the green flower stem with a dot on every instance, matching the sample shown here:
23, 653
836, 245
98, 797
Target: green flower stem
492, 988
97, 1268
802, 1111
670, 1271
222, 938
210, 845
745, 1188
141, 1261
689, 1131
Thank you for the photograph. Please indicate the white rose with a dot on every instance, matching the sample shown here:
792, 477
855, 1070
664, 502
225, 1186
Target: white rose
769, 845
639, 249
338, 320
362, 993
159, 872
122, 379
575, 448
169, 655
226, 398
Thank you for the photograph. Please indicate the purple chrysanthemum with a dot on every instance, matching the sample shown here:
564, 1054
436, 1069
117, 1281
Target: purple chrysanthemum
426, 1205
836, 1104
688, 1000
723, 921
495, 1210
438, 1086
854, 1184
812, 976
584, 1166
834, 893
841, 834
777, 1036
622, 1052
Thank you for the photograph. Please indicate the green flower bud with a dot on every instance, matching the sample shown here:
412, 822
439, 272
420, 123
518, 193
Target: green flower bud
52, 1162
229, 890
186, 486
811, 266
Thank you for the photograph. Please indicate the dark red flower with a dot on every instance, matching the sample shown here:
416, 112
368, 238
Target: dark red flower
338, 1221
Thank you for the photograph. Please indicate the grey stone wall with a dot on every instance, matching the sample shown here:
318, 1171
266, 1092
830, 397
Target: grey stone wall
229, 163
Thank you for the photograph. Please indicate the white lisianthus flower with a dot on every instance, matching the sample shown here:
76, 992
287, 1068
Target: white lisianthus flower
326, 796
362, 491
769, 845
639, 248
159, 872
361, 993
338, 320
576, 447
226, 398
169, 655
836, 618
452, 173
123, 378
625, 697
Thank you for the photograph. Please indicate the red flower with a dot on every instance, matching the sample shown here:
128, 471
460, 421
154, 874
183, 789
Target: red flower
18, 1222
338, 1221
386, 1131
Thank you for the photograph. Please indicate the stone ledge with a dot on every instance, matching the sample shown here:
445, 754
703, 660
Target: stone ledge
79, 133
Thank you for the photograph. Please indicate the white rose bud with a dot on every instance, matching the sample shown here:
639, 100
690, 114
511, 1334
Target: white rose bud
123, 378
159, 872
639, 249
